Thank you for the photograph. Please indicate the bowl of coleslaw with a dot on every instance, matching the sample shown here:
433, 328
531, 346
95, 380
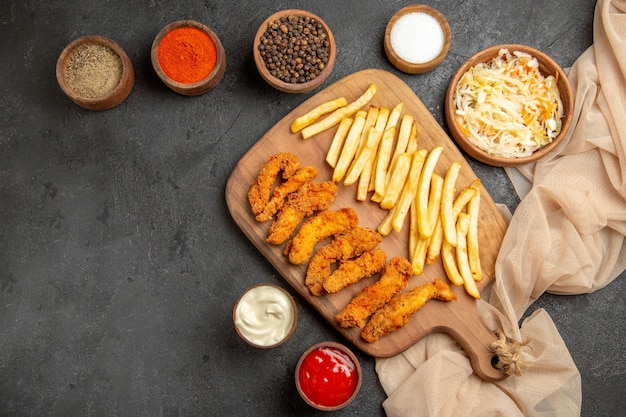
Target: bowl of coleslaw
509, 105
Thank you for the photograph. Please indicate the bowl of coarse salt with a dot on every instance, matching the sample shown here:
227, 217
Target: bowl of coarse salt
95, 72
417, 38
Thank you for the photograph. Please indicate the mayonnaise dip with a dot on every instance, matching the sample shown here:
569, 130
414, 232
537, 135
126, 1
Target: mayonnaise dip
264, 315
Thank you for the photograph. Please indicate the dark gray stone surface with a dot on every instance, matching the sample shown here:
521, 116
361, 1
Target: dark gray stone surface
119, 261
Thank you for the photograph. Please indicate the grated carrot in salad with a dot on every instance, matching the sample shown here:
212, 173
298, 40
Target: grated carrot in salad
506, 107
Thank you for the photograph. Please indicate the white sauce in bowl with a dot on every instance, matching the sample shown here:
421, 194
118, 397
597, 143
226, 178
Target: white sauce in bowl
264, 315
417, 37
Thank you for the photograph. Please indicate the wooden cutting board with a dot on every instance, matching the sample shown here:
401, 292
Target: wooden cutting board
458, 318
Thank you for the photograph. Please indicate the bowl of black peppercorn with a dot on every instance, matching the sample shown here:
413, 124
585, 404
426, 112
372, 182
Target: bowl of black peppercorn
294, 51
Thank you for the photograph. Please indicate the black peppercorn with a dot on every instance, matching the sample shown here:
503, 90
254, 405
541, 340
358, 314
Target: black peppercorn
295, 48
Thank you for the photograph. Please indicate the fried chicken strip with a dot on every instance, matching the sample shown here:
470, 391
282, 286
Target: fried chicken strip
401, 308
261, 189
311, 197
343, 247
354, 270
324, 224
395, 278
276, 202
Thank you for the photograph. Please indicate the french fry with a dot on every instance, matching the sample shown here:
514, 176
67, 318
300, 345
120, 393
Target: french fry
449, 264
473, 209
419, 255
383, 117
370, 120
349, 146
397, 181
408, 192
332, 156
426, 227
364, 179
462, 259
382, 164
404, 133
412, 146
384, 228
434, 199
461, 201
363, 158
309, 118
401, 142
394, 115
385, 148
414, 231
447, 200
434, 248
336, 116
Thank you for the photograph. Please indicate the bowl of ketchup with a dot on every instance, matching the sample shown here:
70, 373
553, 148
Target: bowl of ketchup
328, 376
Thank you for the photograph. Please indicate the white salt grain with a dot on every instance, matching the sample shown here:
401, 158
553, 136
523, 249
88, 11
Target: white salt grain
417, 37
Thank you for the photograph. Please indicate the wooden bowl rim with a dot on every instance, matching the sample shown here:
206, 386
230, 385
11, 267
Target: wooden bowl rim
407, 66
293, 325
199, 86
115, 96
545, 62
357, 365
279, 84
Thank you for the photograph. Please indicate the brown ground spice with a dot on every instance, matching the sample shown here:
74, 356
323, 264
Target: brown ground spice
93, 70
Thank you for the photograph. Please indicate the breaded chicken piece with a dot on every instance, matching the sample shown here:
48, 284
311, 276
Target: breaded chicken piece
354, 270
395, 278
324, 224
311, 197
401, 308
343, 247
261, 189
301, 176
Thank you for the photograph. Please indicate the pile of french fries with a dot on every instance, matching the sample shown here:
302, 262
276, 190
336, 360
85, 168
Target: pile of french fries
378, 150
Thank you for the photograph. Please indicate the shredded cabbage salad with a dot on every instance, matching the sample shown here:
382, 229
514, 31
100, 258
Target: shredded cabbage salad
506, 107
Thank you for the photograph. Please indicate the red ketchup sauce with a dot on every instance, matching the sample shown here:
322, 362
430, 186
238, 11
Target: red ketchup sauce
328, 376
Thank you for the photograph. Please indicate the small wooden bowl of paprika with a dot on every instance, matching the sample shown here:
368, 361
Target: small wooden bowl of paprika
188, 57
303, 45
95, 72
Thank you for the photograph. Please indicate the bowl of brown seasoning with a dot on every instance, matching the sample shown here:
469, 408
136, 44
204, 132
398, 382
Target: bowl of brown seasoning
95, 72
294, 51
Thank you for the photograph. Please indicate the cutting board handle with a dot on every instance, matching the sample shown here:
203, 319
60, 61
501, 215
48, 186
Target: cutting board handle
476, 338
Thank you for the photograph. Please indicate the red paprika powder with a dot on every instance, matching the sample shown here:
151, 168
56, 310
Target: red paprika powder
187, 55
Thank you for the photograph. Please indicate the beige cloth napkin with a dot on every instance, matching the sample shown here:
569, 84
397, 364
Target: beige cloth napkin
566, 237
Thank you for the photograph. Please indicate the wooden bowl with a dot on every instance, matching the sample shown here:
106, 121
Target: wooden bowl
320, 380
191, 88
293, 87
95, 82
423, 38
547, 66
243, 304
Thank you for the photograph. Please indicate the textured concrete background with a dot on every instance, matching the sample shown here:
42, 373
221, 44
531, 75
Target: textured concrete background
119, 262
